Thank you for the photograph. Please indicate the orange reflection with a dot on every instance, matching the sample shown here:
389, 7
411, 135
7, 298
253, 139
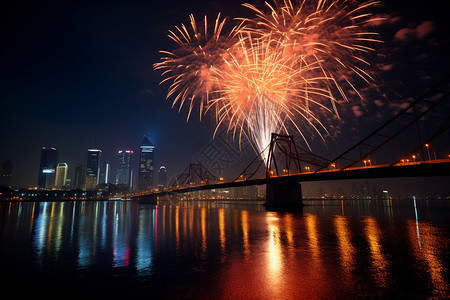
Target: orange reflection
245, 229
203, 224
289, 222
314, 265
222, 229
274, 253
170, 220
191, 224
32, 217
428, 248
177, 226
379, 262
185, 227
311, 221
346, 249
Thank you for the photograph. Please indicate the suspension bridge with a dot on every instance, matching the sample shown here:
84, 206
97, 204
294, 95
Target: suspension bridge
288, 165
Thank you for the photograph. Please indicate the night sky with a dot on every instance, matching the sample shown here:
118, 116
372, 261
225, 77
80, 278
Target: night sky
78, 74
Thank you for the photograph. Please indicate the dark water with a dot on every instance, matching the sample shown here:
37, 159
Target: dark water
225, 250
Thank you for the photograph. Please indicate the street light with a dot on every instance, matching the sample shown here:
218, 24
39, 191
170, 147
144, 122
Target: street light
307, 169
428, 149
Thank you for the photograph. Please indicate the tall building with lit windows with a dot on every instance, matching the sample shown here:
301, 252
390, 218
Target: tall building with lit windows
162, 178
79, 178
61, 175
124, 167
93, 168
145, 176
105, 171
47, 168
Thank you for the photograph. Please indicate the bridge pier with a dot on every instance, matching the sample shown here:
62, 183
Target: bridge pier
283, 194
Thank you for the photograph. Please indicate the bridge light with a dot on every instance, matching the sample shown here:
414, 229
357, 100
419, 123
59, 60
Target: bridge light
428, 149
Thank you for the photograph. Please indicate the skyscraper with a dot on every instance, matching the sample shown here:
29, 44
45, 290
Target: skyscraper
93, 168
162, 178
47, 168
105, 171
124, 167
145, 178
78, 182
61, 175
5, 173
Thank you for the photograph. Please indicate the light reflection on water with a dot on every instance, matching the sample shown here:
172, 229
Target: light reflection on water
225, 250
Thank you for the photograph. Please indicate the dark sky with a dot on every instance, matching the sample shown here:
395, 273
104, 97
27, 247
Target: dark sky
78, 74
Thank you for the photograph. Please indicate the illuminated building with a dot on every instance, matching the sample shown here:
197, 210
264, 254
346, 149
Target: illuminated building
61, 175
79, 177
5, 173
47, 168
105, 171
92, 168
145, 177
162, 178
124, 167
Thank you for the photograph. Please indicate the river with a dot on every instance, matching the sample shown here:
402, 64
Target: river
226, 250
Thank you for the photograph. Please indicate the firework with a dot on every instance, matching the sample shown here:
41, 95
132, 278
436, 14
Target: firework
260, 90
188, 67
334, 34
278, 71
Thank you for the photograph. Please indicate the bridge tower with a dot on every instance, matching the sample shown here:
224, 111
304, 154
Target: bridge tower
282, 161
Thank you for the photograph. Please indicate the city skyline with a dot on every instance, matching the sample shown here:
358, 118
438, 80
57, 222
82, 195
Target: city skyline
104, 59
127, 171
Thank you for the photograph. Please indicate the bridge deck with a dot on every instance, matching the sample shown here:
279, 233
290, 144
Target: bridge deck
439, 167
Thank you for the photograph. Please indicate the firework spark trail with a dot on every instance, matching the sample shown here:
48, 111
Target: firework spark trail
188, 66
280, 70
261, 90
332, 33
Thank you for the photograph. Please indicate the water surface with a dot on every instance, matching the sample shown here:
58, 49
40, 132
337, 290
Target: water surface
204, 250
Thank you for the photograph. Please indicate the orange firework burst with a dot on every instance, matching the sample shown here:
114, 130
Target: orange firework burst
188, 67
287, 65
260, 90
334, 34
